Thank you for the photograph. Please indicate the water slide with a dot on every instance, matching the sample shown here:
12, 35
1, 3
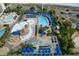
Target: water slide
20, 26
31, 31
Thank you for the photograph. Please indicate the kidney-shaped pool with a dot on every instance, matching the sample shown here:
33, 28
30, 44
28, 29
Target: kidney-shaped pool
43, 21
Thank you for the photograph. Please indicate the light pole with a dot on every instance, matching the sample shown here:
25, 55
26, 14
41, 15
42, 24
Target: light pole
42, 7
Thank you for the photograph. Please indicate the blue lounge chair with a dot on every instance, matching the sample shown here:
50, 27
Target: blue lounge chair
58, 51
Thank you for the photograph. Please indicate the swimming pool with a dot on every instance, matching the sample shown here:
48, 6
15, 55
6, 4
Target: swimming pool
43, 21
2, 31
8, 19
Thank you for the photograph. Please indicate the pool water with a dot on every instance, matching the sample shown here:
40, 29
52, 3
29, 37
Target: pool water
2, 31
43, 21
8, 18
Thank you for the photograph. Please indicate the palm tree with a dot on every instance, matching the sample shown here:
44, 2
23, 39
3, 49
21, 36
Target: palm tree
49, 33
52, 12
1, 43
62, 12
67, 23
32, 8
41, 29
45, 9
